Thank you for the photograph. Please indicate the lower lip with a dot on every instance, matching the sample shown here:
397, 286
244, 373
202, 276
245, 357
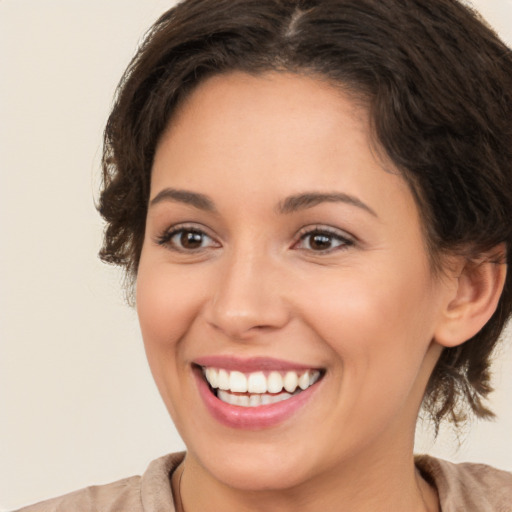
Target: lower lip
251, 418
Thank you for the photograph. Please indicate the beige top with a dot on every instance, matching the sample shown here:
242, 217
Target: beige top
461, 488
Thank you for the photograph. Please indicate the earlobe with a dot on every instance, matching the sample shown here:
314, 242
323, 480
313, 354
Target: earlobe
476, 294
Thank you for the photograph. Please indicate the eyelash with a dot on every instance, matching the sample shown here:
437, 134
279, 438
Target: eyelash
165, 239
329, 233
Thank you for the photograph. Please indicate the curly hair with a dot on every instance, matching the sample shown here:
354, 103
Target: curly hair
437, 82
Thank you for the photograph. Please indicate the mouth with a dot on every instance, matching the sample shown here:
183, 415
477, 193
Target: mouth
254, 394
258, 388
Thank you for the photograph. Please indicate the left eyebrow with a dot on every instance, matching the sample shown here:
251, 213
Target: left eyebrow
309, 199
199, 201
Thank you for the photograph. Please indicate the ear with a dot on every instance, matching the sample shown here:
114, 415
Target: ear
473, 298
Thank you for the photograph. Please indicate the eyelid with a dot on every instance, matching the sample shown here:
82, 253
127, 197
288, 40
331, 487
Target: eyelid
347, 239
164, 237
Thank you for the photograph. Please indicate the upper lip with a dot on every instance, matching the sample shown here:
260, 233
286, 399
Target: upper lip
253, 364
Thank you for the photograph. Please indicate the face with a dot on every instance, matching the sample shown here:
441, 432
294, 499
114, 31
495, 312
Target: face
280, 255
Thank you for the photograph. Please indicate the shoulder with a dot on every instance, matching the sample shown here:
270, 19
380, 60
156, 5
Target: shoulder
123, 494
468, 486
150, 492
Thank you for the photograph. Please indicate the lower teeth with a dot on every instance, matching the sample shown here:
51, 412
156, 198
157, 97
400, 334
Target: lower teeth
255, 400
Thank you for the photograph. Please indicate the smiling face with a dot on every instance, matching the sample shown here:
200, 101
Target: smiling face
276, 247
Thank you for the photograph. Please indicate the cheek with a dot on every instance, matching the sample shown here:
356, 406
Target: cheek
167, 306
167, 302
360, 302
379, 348
377, 320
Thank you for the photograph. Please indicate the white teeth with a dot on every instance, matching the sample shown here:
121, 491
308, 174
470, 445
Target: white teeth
222, 381
304, 381
251, 400
265, 399
212, 377
290, 381
242, 400
274, 382
237, 382
257, 383
254, 400
261, 389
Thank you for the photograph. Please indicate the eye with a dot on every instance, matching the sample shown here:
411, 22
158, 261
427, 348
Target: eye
322, 240
186, 239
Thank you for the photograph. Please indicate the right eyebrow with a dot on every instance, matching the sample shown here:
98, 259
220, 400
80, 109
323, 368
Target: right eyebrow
199, 201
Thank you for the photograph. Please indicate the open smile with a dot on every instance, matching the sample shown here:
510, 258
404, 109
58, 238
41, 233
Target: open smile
258, 388
253, 398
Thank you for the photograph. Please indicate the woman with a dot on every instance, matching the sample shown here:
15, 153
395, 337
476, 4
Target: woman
313, 199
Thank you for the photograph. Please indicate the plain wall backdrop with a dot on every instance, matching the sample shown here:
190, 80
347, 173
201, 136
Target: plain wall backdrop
77, 402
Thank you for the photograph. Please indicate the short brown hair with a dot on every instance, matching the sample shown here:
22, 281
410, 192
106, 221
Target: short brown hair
438, 85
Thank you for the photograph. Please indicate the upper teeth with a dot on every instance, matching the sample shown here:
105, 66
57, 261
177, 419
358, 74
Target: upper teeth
260, 382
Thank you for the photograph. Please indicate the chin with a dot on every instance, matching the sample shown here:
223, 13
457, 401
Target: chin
258, 472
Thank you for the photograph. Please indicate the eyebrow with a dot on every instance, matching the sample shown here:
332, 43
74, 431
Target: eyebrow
291, 204
311, 199
195, 199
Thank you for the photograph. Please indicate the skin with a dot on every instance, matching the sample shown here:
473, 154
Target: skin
366, 310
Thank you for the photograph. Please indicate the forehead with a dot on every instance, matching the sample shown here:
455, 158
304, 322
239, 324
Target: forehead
275, 134
240, 116
295, 91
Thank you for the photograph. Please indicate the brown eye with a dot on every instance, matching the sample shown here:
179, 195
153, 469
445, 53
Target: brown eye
320, 242
323, 241
187, 240
191, 239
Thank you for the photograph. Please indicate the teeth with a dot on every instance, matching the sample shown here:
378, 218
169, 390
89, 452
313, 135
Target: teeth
266, 399
222, 380
274, 382
304, 381
262, 389
257, 383
242, 400
237, 382
212, 377
290, 381
254, 400
251, 400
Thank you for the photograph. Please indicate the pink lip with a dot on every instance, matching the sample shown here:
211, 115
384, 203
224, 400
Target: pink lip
251, 418
253, 364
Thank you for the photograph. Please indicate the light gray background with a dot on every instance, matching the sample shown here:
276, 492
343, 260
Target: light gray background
77, 402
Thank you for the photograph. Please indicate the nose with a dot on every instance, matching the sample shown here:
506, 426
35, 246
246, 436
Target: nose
249, 297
